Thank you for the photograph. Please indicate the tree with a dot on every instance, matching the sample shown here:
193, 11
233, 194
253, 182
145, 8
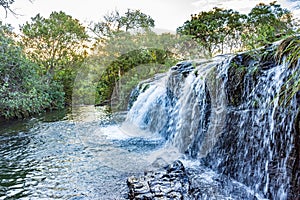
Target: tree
116, 36
114, 23
54, 43
113, 35
266, 24
127, 51
215, 30
57, 44
123, 43
135, 19
22, 91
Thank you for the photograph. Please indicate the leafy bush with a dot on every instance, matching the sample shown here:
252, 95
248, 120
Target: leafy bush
22, 91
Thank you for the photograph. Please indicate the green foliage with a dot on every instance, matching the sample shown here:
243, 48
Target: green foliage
114, 23
22, 91
58, 45
215, 30
127, 51
289, 51
123, 74
267, 24
20, 104
221, 30
121, 62
135, 19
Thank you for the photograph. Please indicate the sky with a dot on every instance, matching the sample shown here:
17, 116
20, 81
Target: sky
168, 14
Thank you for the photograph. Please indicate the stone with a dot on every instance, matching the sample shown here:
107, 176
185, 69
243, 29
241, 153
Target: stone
167, 183
177, 182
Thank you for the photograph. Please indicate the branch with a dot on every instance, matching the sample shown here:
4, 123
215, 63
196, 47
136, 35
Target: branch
6, 5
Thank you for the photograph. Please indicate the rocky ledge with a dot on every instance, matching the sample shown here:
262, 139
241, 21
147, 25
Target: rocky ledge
175, 181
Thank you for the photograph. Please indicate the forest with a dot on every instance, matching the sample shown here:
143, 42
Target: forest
55, 62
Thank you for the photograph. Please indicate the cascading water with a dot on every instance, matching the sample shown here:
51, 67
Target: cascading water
234, 114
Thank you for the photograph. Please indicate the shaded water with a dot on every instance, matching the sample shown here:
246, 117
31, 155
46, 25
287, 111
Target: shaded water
83, 156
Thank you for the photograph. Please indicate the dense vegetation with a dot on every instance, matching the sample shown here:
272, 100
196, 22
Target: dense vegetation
226, 31
23, 92
58, 46
124, 42
56, 61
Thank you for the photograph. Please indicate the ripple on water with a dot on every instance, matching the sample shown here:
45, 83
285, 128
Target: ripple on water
70, 160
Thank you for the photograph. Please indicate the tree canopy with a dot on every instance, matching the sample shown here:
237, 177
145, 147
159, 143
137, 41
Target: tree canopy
54, 42
58, 45
221, 30
113, 22
214, 29
122, 43
22, 91
266, 24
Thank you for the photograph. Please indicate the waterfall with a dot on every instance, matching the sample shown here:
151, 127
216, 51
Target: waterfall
235, 114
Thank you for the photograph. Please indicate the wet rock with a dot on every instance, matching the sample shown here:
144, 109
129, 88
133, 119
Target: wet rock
171, 182
159, 163
184, 67
175, 181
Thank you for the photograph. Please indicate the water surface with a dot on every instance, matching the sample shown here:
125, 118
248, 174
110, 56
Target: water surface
81, 155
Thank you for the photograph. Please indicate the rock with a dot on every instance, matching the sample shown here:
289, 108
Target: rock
176, 182
169, 182
183, 67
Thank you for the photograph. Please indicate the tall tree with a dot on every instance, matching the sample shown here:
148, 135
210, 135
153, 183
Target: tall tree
125, 42
22, 91
113, 22
57, 44
114, 38
266, 24
135, 19
215, 30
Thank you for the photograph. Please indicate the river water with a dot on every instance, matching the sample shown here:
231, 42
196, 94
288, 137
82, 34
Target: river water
84, 154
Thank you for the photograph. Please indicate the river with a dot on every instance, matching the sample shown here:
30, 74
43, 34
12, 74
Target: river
84, 154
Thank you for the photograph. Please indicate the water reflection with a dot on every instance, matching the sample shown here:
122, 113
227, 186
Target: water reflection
88, 113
